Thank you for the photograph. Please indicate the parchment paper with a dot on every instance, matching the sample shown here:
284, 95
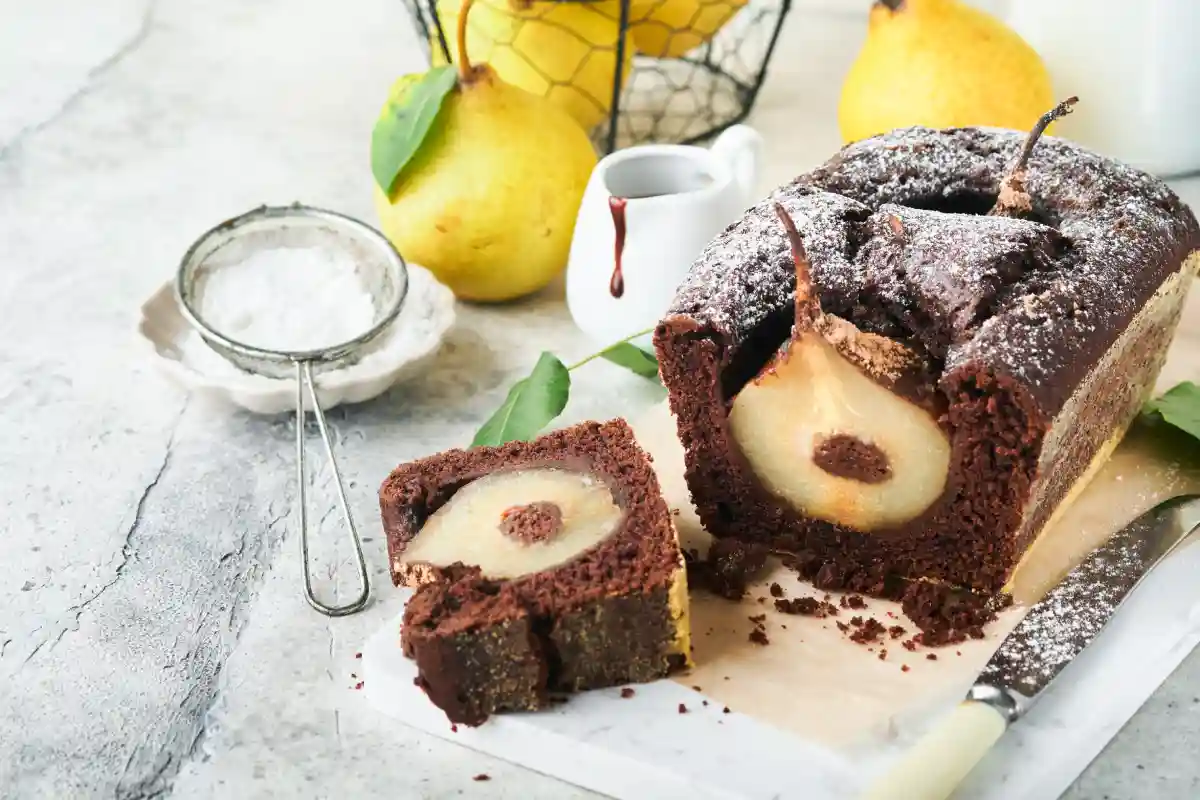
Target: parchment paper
813, 681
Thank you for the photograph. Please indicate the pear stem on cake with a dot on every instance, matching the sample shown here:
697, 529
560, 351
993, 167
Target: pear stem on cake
808, 304
1013, 199
823, 409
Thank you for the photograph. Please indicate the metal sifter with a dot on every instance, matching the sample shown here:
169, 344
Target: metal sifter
384, 276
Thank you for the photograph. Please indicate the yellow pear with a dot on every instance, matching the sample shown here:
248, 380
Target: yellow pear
565, 51
670, 28
488, 201
942, 64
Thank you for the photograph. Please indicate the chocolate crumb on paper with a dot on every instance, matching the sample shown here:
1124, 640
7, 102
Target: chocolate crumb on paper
483, 776
683, 709
807, 607
871, 630
627, 692
727, 569
947, 616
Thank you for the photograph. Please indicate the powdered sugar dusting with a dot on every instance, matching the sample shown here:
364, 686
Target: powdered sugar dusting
287, 298
1070, 616
1037, 300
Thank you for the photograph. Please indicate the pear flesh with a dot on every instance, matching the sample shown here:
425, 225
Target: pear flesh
815, 390
814, 394
469, 527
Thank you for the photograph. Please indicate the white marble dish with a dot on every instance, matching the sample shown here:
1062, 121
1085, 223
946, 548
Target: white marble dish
397, 355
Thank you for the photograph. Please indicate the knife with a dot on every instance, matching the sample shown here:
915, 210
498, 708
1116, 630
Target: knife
1055, 630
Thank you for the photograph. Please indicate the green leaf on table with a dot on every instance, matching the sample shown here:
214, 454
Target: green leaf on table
1180, 407
531, 405
632, 358
406, 121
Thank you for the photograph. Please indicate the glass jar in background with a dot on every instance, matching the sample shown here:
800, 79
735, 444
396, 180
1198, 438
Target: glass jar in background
1136, 70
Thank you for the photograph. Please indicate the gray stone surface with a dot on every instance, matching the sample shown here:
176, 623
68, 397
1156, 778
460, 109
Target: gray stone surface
153, 640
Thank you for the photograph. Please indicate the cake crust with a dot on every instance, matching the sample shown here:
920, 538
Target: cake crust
1013, 316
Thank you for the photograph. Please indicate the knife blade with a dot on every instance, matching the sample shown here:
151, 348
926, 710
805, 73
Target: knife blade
1052, 633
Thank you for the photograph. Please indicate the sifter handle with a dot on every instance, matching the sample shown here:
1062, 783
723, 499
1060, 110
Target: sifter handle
939, 762
304, 378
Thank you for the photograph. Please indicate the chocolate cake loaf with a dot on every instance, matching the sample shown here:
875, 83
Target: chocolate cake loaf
904, 369
543, 566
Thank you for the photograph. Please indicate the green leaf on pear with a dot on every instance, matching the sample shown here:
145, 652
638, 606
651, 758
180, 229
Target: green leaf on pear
1179, 407
532, 404
406, 122
632, 358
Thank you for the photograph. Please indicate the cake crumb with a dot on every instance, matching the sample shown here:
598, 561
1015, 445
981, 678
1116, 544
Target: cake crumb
627, 693
725, 710
358, 685
358, 655
704, 702
896, 631
776, 590
947, 616
758, 636
758, 619
910, 645
682, 709
483, 776
855, 601
727, 569
856, 621
904, 667
931, 657
697, 688
883, 654
843, 627
871, 630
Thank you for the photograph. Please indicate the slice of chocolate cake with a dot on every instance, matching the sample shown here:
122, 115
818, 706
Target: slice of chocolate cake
542, 566
907, 371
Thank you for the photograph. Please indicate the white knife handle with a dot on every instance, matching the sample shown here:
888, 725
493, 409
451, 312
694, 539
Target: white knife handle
939, 762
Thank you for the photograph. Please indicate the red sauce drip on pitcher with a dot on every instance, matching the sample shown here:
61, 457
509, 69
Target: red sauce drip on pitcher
616, 284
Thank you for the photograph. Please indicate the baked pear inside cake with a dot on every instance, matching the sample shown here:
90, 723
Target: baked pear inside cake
544, 566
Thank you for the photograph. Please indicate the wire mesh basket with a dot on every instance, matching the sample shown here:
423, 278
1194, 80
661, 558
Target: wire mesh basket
629, 71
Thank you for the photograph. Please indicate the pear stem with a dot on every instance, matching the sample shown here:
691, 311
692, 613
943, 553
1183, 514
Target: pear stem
464, 63
1012, 198
808, 304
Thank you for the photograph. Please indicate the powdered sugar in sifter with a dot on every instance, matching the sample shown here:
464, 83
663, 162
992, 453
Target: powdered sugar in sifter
383, 276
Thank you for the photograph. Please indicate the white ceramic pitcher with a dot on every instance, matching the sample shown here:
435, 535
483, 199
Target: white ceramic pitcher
675, 199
